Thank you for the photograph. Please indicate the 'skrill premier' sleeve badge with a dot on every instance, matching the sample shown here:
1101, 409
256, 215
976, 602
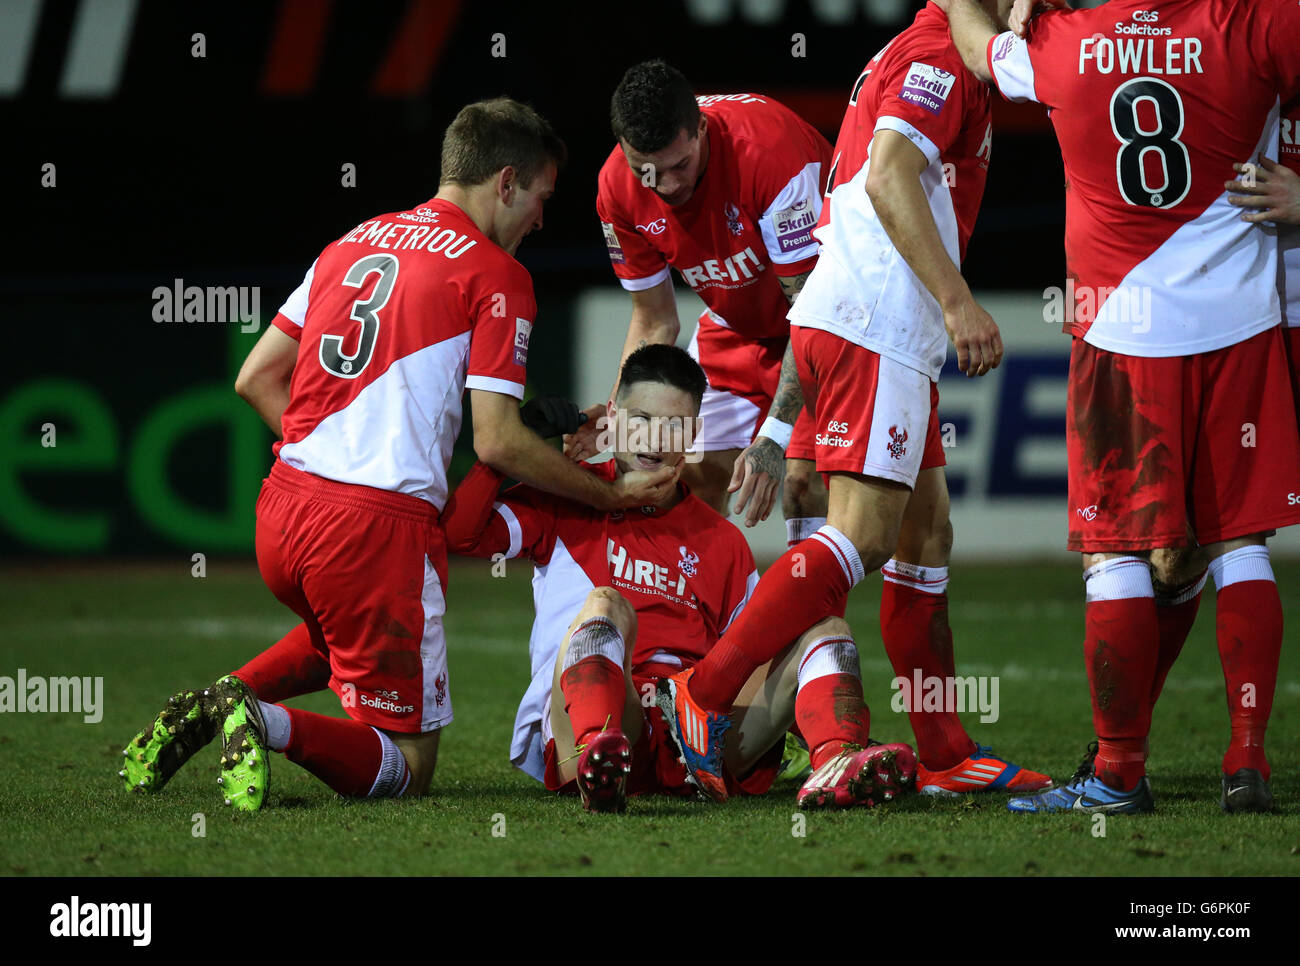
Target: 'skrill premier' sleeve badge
927, 86
612, 243
523, 331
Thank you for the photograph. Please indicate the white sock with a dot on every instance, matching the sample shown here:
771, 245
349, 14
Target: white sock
798, 529
847, 554
278, 726
928, 580
393, 775
1118, 578
833, 654
1238, 566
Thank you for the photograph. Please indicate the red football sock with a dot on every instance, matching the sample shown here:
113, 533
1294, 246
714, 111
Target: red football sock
807, 584
1175, 618
350, 757
1122, 635
594, 691
1249, 627
830, 713
288, 668
914, 628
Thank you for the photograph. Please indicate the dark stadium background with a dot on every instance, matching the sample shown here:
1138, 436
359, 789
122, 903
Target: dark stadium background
226, 170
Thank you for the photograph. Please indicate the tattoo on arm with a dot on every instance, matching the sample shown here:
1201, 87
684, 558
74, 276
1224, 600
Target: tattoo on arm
789, 394
793, 285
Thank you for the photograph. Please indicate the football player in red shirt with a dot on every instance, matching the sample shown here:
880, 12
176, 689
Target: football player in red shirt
726, 189
361, 376
626, 598
1181, 428
869, 335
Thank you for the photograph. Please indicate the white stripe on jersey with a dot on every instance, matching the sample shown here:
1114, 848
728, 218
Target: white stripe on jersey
650, 281
862, 289
295, 306
1173, 304
489, 384
750, 583
1013, 72
512, 527
356, 443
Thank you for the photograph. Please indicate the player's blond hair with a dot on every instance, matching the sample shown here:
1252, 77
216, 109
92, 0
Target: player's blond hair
487, 136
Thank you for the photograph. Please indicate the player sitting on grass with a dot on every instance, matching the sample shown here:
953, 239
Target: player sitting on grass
626, 598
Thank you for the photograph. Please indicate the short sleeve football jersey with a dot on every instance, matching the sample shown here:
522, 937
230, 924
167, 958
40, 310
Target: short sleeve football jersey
862, 289
1152, 102
749, 220
395, 320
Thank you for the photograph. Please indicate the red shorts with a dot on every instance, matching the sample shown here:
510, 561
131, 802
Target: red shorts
365, 569
1163, 450
655, 769
743, 376
873, 416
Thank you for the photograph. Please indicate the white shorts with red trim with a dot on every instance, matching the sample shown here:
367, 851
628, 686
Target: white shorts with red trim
872, 415
743, 375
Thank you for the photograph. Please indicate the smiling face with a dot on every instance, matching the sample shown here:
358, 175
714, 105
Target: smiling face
519, 208
653, 423
676, 168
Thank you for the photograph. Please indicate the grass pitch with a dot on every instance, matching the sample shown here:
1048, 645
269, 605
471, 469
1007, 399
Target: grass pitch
150, 631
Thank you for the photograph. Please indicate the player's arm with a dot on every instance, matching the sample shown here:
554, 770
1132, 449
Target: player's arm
263, 380
654, 322
1269, 189
468, 521
760, 468
894, 186
503, 442
971, 29
467, 517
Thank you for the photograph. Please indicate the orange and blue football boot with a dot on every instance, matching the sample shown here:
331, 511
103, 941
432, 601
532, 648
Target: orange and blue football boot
698, 734
860, 776
980, 771
603, 768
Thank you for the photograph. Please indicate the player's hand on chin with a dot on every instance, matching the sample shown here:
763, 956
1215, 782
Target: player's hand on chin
757, 475
646, 487
584, 443
1271, 189
975, 336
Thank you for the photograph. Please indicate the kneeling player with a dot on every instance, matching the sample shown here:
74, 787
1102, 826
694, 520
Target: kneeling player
627, 598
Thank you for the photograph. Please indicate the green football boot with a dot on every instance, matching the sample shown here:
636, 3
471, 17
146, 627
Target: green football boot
795, 763
245, 759
185, 725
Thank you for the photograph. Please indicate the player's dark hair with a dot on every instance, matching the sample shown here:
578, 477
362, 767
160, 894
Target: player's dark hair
664, 364
489, 135
652, 104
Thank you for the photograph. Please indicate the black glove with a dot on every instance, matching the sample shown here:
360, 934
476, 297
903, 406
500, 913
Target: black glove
549, 416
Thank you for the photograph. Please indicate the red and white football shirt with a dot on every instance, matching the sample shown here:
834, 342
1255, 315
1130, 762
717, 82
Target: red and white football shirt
686, 571
396, 319
749, 220
1153, 101
1288, 236
862, 289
